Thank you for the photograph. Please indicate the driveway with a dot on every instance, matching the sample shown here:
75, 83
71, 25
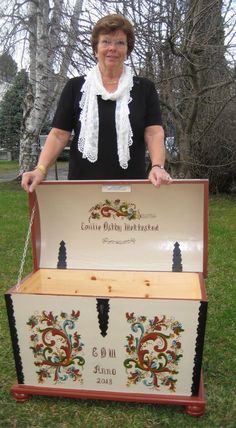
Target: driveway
62, 171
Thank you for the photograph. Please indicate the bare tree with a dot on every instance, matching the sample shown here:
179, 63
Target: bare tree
46, 24
185, 47
205, 79
51, 31
212, 141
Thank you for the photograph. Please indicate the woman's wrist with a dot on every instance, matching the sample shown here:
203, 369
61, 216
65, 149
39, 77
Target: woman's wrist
158, 166
42, 169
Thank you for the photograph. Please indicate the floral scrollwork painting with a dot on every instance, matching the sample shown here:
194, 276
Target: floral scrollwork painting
56, 346
154, 350
114, 209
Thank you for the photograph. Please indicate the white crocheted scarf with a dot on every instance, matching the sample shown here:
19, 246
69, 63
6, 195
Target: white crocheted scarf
88, 137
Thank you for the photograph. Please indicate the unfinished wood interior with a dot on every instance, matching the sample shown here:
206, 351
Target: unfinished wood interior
170, 285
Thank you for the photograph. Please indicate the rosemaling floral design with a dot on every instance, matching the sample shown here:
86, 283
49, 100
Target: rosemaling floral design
114, 209
154, 351
56, 346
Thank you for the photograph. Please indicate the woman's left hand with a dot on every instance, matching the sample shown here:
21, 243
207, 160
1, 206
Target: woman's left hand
159, 176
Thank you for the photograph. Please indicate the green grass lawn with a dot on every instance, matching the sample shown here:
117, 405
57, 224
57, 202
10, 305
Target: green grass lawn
219, 362
6, 166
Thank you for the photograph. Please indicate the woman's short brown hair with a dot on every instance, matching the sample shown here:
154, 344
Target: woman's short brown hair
111, 23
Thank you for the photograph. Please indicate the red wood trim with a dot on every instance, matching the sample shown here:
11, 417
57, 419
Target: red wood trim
119, 182
205, 228
22, 393
84, 182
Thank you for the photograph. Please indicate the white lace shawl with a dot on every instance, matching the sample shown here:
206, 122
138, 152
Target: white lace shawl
88, 137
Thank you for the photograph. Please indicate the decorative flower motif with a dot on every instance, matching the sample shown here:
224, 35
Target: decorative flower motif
154, 351
113, 209
33, 321
56, 346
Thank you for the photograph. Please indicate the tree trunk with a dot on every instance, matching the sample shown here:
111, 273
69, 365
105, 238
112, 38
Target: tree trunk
43, 88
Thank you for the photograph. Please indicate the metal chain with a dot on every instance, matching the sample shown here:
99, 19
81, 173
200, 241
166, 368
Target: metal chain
25, 248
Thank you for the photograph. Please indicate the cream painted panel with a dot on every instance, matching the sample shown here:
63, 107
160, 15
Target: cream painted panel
169, 214
104, 357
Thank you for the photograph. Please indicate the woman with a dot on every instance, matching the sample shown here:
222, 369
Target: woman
112, 113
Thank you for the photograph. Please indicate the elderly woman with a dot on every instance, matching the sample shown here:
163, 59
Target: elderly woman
112, 114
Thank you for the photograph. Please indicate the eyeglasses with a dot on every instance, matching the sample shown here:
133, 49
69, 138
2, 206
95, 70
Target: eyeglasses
105, 43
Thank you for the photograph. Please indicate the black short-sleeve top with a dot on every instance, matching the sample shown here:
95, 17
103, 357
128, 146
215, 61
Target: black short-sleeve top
144, 111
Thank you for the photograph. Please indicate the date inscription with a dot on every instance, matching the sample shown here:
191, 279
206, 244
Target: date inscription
103, 381
102, 372
104, 375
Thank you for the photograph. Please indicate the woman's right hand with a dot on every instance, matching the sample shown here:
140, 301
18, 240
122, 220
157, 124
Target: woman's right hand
31, 179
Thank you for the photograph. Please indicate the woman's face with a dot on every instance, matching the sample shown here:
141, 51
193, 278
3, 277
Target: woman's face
112, 50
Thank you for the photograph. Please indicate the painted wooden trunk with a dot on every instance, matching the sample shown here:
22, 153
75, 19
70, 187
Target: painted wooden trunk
116, 305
